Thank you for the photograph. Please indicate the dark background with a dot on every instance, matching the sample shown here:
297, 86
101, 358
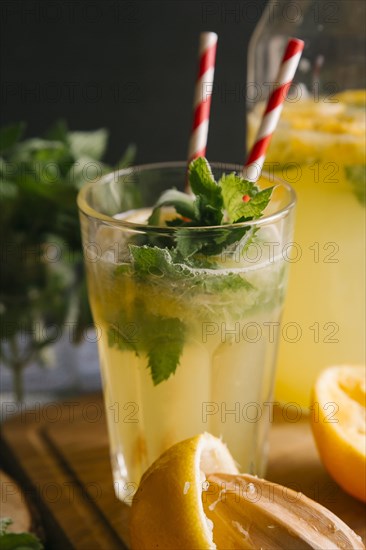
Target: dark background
128, 66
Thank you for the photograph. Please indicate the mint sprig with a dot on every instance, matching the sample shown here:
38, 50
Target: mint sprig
230, 200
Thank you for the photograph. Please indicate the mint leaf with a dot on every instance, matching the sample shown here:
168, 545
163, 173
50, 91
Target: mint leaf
161, 339
183, 204
187, 245
122, 336
164, 347
201, 179
209, 202
217, 284
150, 260
234, 189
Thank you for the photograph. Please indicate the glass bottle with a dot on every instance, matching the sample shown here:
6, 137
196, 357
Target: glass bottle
319, 148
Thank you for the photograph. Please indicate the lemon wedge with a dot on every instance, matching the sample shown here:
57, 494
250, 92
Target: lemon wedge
167, 509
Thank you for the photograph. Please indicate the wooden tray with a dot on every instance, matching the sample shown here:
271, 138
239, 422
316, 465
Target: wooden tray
59, 454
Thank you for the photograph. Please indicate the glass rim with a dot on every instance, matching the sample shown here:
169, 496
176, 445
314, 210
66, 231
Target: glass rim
91, 212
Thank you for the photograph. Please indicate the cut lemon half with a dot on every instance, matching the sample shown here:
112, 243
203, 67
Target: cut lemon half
185, 503
339, 425
167, 510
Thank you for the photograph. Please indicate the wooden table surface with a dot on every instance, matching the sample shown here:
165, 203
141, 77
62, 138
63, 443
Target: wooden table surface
59, 455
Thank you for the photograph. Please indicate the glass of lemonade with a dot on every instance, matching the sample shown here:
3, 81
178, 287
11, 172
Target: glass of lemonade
319, 147
190, 346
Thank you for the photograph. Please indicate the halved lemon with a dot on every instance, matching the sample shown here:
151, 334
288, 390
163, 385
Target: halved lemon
167, 510
185, 503
339, 425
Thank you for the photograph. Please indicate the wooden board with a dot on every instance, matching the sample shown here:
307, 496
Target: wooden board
59, 454
13, 505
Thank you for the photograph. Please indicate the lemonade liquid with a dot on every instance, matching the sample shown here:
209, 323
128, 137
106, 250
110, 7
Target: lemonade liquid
223, 382
319, 148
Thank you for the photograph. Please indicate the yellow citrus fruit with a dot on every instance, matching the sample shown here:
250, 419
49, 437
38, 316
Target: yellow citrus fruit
339, 425
185, 503
167, 510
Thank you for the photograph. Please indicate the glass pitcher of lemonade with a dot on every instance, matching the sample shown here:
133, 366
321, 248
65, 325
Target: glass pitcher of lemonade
319, 148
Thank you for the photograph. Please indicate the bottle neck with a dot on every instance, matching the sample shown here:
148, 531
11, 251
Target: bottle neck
334, 53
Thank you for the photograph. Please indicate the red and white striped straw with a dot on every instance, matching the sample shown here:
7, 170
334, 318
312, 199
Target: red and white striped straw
202, 95
289, 63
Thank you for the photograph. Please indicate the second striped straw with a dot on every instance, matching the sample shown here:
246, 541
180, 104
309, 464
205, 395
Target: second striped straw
289, 63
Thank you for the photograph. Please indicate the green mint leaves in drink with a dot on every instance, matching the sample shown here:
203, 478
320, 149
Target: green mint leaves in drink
220, 204
160, 338
232, 199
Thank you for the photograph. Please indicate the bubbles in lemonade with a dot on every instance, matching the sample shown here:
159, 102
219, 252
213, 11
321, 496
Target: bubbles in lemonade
319, 148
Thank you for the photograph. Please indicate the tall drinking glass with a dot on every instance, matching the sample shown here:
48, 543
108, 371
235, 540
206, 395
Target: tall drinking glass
184, 347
